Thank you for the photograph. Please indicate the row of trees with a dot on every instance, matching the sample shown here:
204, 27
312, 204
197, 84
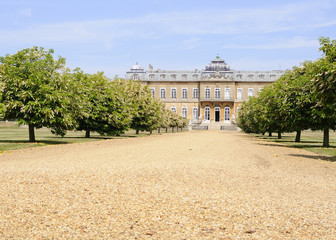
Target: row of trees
40, 91
303, 98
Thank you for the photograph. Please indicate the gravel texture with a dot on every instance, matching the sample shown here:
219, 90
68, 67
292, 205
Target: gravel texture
191, 185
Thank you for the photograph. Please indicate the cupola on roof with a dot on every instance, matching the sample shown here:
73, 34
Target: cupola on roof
217, 64
137, 68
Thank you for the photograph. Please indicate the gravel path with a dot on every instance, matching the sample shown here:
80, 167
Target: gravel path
198, 185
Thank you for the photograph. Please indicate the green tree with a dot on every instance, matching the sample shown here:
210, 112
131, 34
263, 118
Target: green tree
324, 82
35, 92
106, 107
296, 99
147, 110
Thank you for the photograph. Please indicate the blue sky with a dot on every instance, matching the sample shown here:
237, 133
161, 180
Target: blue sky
111, 36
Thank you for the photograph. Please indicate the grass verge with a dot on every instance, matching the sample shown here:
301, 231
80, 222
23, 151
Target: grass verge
310, 140
13, 137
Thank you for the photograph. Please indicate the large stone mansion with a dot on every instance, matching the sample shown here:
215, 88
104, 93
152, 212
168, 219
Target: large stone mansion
210, 95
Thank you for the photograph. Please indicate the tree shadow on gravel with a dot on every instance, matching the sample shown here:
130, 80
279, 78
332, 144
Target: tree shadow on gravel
296, 145
316, 157
49, 142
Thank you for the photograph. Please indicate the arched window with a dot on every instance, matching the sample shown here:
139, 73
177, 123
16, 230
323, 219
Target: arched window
184, 93
207, 113
227, 114
173, 109
250, 77
173, 92
227, 93
217, 93
207, 93
250, 92
195, 113
239, 93
162, 77
195, 92
162, 93
184, 112
152, 76
152, 92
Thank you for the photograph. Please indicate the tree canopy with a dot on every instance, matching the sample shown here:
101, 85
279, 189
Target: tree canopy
303, 98
35, 92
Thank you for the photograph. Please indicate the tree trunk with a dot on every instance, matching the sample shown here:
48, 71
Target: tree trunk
31, 130
263, 134
298, 136
137, 131
151, 131
87, 133
326, 137
279, 135
159, 130
270, 134
166, 129
172, 129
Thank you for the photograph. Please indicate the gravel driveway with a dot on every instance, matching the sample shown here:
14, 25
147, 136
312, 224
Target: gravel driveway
191, 185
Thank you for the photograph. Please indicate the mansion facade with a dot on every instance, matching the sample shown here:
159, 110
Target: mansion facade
210, 95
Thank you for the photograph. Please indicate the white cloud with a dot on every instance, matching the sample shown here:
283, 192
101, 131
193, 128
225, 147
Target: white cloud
192, 24
295, 42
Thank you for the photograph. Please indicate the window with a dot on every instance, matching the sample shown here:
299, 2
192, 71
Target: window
207, 93
173, 92
163, 93
184, 112
173, 76
226, 114
135, 77
239, 76
260, 89
207, 113
250, 92
217, 93
227, 93
173, 109
272, 77
162, 77
261, 76
239, 93
195, 113
184, 93
250, 77
184, 76
238, 108
152, 76
195, 77
195, 93
152, 92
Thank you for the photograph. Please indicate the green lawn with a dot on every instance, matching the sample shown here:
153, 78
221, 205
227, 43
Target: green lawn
14, 137
310, 140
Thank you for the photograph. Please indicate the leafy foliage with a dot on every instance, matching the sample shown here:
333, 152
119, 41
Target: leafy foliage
35, 92
303, 98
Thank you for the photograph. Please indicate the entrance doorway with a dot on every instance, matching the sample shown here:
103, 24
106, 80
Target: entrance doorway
217, 114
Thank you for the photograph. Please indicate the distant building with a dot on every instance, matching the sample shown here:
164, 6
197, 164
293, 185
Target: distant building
210, 95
